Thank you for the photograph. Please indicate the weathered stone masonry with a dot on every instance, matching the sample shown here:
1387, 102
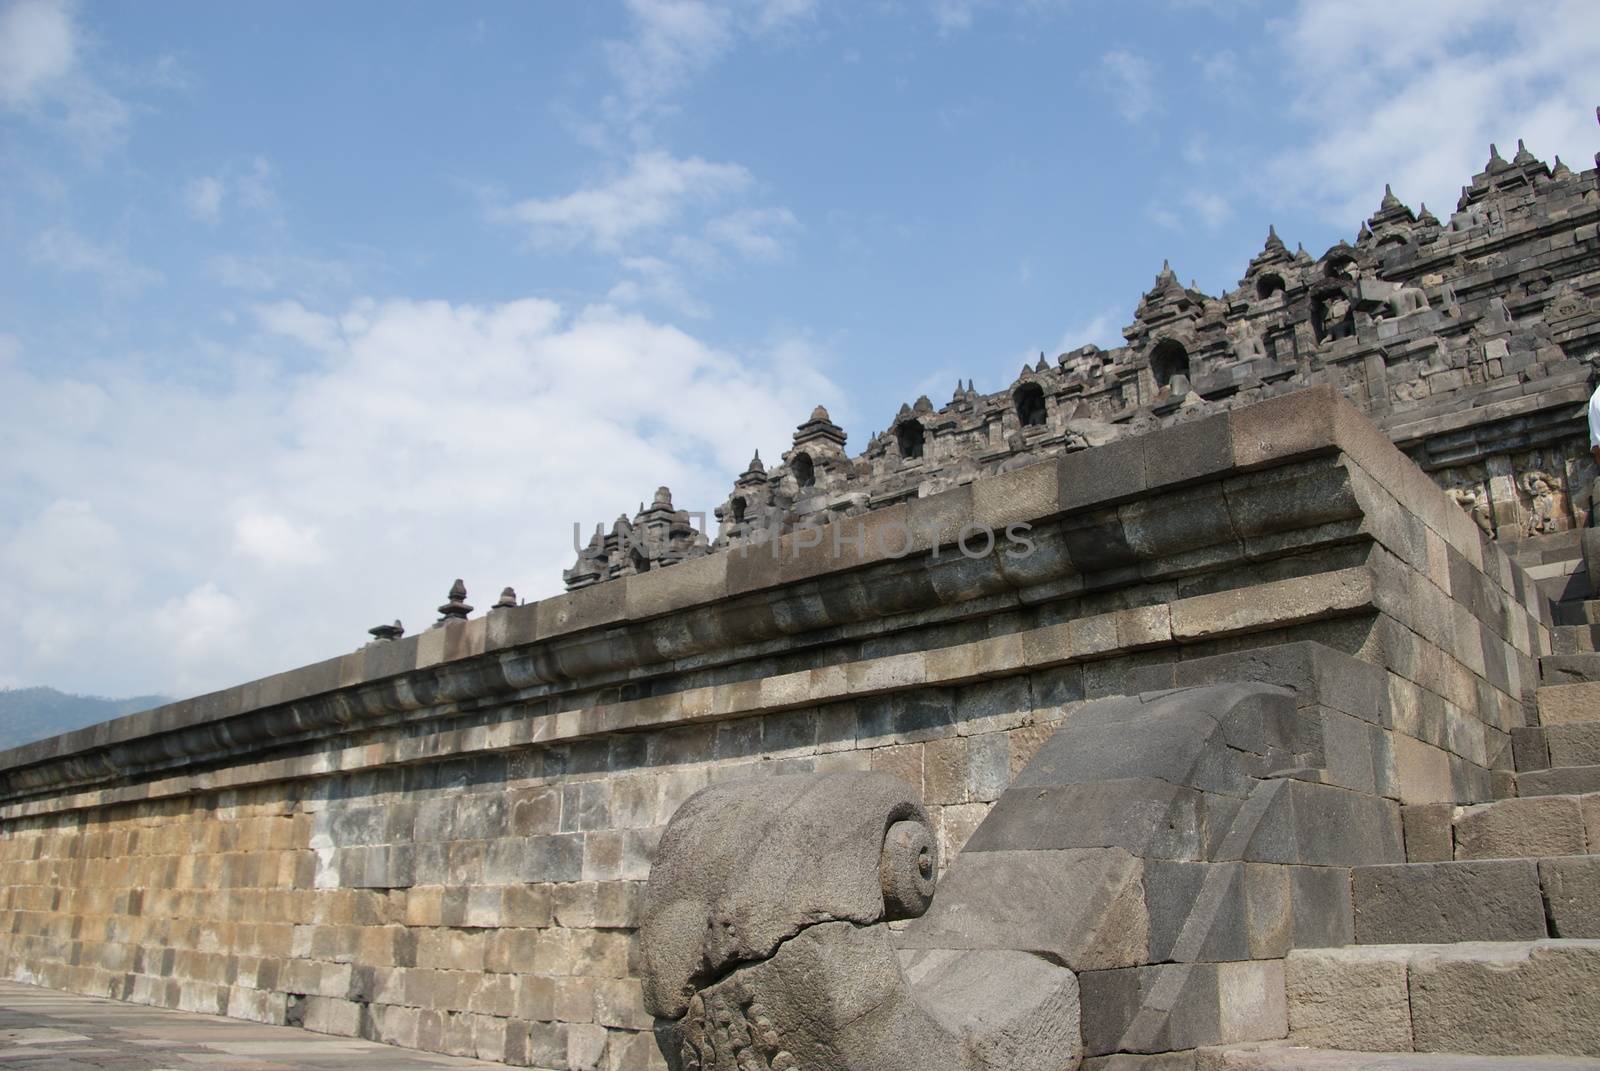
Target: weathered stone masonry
441, 841
1466, 341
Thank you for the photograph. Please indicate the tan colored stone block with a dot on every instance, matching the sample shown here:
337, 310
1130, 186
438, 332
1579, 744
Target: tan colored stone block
1275, 604
1348, 998
1520, 828
956, 826
1251, 1003
1507, 998
1569, 704
904, 761
1423, 771
944, 771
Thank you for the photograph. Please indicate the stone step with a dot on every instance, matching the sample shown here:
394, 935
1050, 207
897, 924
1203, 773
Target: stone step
1549, 547
1579, 612
1521, 828
1478, 900
1558, 669
1575, 639
1540, 747
1564, 704
1559, 781
1493, 998
1274, 1057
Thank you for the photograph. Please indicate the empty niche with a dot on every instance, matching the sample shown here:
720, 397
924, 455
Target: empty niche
1168, 359
909, 435
1031, 410
805, 472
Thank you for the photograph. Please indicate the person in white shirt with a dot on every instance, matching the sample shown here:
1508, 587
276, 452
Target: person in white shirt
1594, 425
1594, 451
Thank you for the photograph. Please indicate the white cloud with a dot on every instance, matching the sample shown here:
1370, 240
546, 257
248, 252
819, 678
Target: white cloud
203, 198
38, 47
1210, 210
952, 16
651, 194
273, 539
652, 280
67, 250
1219, 68
1419, 109
753, 232
177, 536
672, 41
42, 76
1104, 329
1130, 80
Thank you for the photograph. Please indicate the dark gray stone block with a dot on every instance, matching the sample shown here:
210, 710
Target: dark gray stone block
1421, 903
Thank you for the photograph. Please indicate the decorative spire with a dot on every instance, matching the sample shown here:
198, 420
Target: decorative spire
387, 633
1426, 217
507, 600
1042, 366
1274, 243
663, 499
755, 468
1523, 157
455, 607
1560, 171
819, 413
1390, 202
1496, 161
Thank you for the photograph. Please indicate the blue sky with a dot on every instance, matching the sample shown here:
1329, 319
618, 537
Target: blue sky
306, 310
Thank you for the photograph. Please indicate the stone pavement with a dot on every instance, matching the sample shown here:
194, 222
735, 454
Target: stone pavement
47, 1030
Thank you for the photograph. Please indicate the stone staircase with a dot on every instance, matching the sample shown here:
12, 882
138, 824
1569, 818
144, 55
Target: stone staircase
1482, 951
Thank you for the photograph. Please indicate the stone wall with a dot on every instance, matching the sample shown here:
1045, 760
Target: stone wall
441, 841
1469, 343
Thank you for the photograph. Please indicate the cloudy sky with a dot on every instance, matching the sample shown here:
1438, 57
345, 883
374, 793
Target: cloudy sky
307, 309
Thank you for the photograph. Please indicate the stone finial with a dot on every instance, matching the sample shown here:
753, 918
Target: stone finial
1042, 366
1425, 217
923, 404
663, 499
455, 607
1390, 202
506, 601
755, 468
387, 633
1560, 170
1274, 244
1523, 157
820, 413
1496, 161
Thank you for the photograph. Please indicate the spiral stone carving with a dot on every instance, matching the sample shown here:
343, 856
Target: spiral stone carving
908, 870
765, 946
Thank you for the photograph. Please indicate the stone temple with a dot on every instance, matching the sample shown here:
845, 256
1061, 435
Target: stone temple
1225, 700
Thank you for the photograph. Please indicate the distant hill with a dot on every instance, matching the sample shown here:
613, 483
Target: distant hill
28, 714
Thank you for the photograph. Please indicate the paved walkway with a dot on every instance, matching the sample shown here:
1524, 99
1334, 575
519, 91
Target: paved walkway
47, 1030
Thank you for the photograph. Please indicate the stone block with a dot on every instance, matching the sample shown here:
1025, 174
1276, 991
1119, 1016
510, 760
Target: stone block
1322, 910
1190, 451
1423, 771
1491, 900
1103, 475
1569, 704
1573, 745
1428, 831
1348, 998
1560, 781
1276, 604
1572, 895
1536, 997
1098, 918
1167, 1007
1520, 828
